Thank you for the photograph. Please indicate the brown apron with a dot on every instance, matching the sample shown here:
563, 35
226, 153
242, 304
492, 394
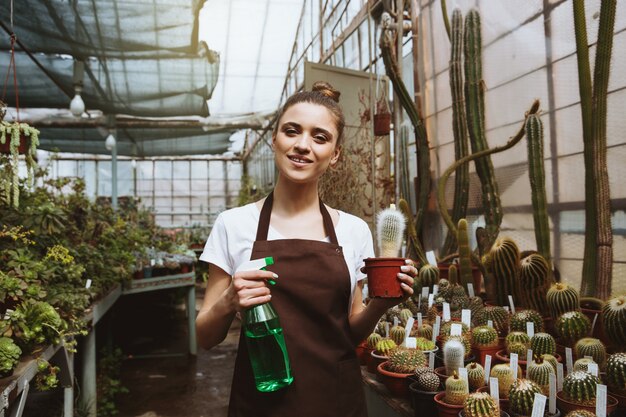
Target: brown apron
312, 298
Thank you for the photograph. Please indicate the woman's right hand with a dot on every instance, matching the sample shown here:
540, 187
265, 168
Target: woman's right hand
250, 288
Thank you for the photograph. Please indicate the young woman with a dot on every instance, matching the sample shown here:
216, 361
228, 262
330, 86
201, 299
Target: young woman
318, 253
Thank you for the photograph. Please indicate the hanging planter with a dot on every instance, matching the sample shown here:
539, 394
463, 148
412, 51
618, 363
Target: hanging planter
382, 115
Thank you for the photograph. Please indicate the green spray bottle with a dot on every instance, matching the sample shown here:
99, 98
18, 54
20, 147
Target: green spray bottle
265, 340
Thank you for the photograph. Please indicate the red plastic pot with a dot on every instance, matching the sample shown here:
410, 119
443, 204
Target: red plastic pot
566, 405
382, 124
5, 148
396, 383
382, 277
445, 409
374, 360
481, 352
363, 352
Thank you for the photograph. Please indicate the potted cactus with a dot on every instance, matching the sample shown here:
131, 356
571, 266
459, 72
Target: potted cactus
614, 321
616, 378
522, 397
589, 346
485, 341
579, 392
539, 371
423, 391
381, 353
481, 404
450, 402
382, 272
572, 326
475, 376
498, 315
401, 364
453, 356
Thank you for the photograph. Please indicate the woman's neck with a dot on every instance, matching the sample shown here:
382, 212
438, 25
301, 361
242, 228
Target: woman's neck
292, 199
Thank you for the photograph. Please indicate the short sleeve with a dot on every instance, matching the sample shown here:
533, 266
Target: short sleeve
365, 249
216, 250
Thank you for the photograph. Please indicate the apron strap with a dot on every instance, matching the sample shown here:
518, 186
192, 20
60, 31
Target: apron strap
266, 214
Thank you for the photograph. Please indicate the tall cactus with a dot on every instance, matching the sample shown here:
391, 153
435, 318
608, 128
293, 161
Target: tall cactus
475, 108
459, 128
414, 246
390, 224
465, 263
598, 255
537, 176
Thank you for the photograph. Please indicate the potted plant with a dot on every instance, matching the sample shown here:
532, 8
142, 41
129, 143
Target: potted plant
485, 341
616, 378
395, 372
423, 391
579, 392
481, 404
450, 402
15, 139
382, 115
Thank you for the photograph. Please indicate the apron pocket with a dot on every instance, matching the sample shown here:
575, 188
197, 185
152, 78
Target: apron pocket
350, 397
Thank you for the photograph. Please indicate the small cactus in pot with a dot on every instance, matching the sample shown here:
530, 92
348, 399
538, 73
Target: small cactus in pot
475, 376
516, 337
572, 326
405, 361
425, 331
397, 334
616, 373
589, 346
579, 387
582, 364
428, 276
561, 299
373, 339
542, 343
456, 390
428, 381
614, 320
498, 315
519, 319
453, 355
539, 371
481, 404
485, 337
504, 374
522, 396
385, 346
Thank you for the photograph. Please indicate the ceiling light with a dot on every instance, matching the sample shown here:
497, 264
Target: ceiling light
110, 142
77, 105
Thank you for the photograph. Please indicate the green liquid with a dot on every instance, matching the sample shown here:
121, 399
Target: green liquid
268, 355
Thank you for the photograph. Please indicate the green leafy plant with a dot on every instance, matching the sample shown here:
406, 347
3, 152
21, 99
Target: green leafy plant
9, 356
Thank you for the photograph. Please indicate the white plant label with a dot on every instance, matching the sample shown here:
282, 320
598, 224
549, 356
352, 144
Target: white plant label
438, 323
493, 389
506, 308
431, 360
419, 321
552, 399
463, 374
529, 357
386, 329
513, 364
408, 327
446, 312
592, 368
569, 360
487, 368
530, 329
435, 289
470, 289
601, 400
490, 323
425, 291
435, 333
456, 329
411, 342
539, 405
593, 324
466, 317
396, 321
512, 304
559, 376
431, 300
431, 258
88, 283
152, 262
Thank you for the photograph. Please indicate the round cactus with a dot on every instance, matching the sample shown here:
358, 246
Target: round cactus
614, 319
405, 361
579, 387
447, 327
484, 336
498, 315
519, 319
589, 346
551, 359
539, 371
505, 266
422, 370
411, 302
522, 396
580, 413
542, 343
428, 275
475, 304
457, 390
571, 326
475, 375
534, 280
423, 344
405, 315
397, 334
385, 346
616, 373
517, 337
561, 299
425, 331
481, 404
453, 354
428, 381
582, 364
519, 348
505, 378
373, 339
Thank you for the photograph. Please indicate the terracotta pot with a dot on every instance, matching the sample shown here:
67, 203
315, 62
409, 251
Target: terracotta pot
481, 352
504, 402
382, 277
396, 383
363, 352
382, 124
445, 409
5, 148
423, 402
375, 359
566, 405
477, 277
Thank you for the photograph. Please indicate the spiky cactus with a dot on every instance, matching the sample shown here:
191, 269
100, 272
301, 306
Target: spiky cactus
572, 326
616, 373
522, 396
517, 347
425, 331
484, 336
385, 346
504, 374
589, 346
551, 359
457, 390
397, 334
390, 225
539, 371
520, 318
579, 387
517, 337
428, 275
543, 343
405, 361
446, 328
562, 298
428, 381
535, 279
505, 256
405, 315
580, 413
582, 364
453, 354
498, 315
481, 404
465, 263
614, 319
373, 339
475, 375
424, 344
453, 274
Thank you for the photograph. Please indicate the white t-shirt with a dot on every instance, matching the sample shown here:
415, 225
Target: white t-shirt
233, 234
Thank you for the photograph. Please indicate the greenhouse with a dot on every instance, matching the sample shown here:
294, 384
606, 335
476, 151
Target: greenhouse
312, 207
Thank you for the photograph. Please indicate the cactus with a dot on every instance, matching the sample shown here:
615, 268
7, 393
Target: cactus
453, 274
535, 279
453, 354
522, 396
446, 328
428, 381
562, 298
428, 275
589, 346
426, 331
405, 361
582, 364
498, 315
385, 346
481, 404
410, 303
504, 374
520, 318
425, 344
537, 177
543, 343
572, 326
397, 334
475, 305
414, 246
616, 373
539, 371
579, 387
405, 315
475, 375
390, 224
551, 359
505, 257
457, 390
517, 337
519, 348
580, 413
484, 336
373, 339
459, 129
465, 263
614, 319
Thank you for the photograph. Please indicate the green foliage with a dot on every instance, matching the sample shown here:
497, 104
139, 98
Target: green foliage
35, 323
108, 381
46, 378
9, 356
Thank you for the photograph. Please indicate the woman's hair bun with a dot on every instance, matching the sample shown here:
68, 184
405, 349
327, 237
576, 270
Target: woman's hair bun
326, 89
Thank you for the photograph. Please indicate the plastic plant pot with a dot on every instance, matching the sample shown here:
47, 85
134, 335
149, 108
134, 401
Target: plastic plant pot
566, 405
382, 277
396, 383
423, 401
444, 409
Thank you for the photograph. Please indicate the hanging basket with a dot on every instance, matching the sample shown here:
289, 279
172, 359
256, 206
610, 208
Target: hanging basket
382, 124
5, 148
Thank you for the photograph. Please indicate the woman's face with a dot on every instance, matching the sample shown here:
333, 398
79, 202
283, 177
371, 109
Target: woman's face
305, 144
